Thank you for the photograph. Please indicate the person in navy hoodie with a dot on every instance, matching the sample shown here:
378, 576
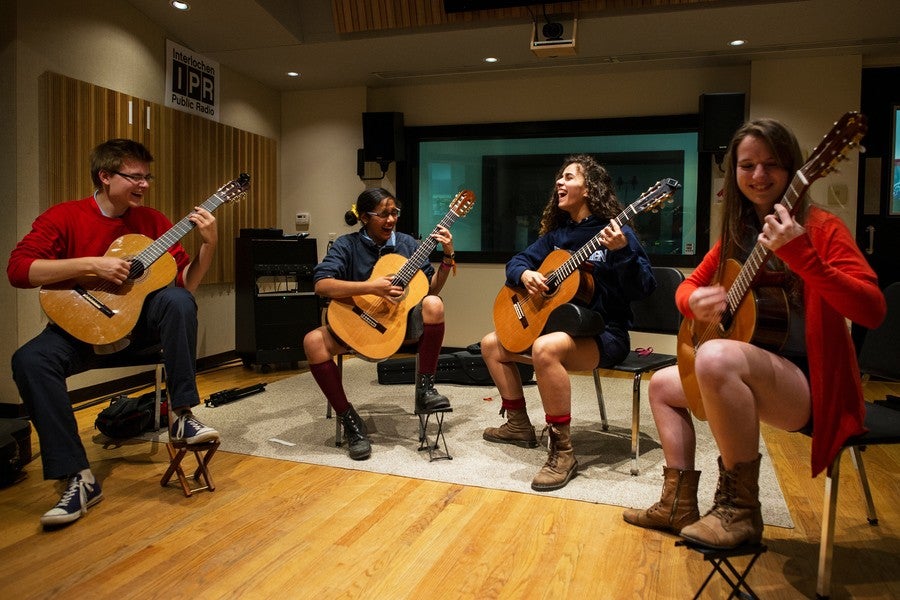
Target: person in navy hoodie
583, 204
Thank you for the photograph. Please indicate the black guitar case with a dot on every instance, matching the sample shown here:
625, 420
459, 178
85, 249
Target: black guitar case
464, 368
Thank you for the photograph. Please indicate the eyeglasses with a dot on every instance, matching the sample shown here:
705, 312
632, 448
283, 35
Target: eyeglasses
386, 213
134, 177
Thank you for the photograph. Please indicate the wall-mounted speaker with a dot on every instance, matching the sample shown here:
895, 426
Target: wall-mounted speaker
383, 139
720, 116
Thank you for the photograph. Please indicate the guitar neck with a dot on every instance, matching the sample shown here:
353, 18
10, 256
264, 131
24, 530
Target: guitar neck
180, 229
418, 258
760, 254
591, 246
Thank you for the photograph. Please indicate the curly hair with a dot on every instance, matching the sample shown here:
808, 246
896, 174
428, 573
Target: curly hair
601, 194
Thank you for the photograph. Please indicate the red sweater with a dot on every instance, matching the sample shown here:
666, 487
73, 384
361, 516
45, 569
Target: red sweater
838, 285
77, 228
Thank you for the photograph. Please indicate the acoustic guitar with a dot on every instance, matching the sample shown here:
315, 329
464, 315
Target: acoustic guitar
375, 327
519, 317
103, 313
758, 314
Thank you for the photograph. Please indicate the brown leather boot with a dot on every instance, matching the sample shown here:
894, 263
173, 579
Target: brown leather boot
677, 507
561, 464
517, 430
735, 518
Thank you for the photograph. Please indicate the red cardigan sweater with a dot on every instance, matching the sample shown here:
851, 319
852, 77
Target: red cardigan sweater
77, 228
838, 284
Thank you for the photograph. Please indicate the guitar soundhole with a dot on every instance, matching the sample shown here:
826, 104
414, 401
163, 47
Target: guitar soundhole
726, 321
137, 269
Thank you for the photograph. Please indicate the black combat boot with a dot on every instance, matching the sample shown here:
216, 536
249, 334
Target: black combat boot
429, 399
355, 431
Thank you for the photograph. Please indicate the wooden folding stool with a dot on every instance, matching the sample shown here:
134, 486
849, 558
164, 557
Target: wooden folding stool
203, 452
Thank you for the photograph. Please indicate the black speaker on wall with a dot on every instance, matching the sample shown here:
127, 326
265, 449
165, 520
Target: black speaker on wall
383, 139
720, 116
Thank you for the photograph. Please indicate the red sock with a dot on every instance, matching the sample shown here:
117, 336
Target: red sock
513, 403
559, 419
328, 377
430, 347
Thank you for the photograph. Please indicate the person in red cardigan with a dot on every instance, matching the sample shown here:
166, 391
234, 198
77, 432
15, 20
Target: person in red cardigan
811, 384
69, 241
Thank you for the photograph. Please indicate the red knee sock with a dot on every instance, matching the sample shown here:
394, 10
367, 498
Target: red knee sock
559, 419
328, 377
430, 347
513, 403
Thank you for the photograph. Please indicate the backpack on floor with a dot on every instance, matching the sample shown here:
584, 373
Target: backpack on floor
15, 449
127, 417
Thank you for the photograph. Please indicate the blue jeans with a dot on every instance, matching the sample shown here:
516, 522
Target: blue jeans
40, 368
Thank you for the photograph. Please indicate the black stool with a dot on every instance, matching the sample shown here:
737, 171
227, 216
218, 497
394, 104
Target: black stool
425, 443
718, 558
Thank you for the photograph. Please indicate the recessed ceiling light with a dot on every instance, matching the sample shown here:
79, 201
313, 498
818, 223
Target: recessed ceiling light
293, 74
737, 42
180, 5
491, 59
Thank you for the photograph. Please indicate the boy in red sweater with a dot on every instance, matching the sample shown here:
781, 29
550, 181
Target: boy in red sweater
68, 241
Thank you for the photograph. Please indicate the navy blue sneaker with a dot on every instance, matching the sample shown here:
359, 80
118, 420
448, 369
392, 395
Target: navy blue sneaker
186, 428
78, 497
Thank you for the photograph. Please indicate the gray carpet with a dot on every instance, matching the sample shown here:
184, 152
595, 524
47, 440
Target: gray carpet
287, 422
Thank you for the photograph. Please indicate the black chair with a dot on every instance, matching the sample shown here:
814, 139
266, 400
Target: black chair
656, 313
879, 356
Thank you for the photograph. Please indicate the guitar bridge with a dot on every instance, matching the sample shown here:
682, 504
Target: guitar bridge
93, 301
369, 320
520, 314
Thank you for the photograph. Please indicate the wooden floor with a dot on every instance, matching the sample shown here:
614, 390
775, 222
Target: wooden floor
276, 529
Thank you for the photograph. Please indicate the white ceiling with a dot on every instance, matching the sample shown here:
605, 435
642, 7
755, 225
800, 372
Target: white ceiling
264, 39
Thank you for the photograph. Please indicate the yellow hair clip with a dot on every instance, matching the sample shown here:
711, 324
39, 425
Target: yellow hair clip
353, 210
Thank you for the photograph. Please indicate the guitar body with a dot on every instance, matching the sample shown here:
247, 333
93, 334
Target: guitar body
373, 326
102, 313
519, 318
761, 319
67, 303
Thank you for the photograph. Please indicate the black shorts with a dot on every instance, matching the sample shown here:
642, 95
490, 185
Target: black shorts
614, 346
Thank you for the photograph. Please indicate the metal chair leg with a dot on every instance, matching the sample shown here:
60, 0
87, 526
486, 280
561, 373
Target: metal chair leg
160, 369
635, 423
598, 387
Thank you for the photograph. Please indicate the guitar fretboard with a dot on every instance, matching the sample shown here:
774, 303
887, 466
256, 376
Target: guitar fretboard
418, 258
650, 199
161, 245
760, 254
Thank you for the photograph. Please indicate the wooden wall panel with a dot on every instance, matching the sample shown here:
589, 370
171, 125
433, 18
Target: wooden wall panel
355, 16
193, 156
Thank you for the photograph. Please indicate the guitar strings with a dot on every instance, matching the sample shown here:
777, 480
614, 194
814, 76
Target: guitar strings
158, 247
411, 266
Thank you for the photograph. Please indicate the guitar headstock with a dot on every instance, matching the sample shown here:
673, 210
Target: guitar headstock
462, 203
844, 136
235, 189
658, 193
